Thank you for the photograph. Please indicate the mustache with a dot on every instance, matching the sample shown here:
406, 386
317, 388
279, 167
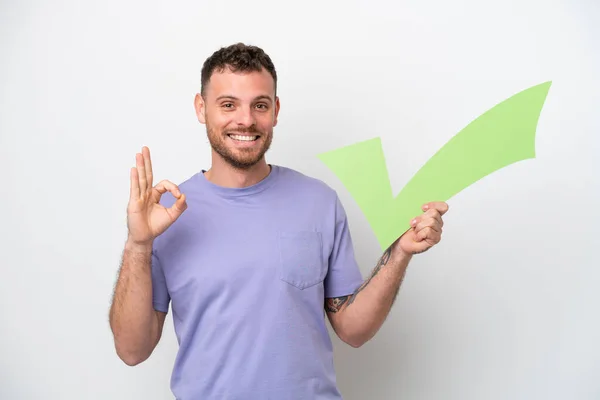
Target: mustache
248, 130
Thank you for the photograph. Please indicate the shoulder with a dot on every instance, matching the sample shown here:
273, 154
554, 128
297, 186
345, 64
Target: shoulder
301, 181
311, 193
190, 183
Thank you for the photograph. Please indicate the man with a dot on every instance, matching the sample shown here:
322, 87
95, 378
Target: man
249, 254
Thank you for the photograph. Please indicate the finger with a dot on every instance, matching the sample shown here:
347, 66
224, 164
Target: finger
441, 206
147, 165
422, 234
428, 234
180, 204
435, 214
178, 207
139, 161
431, 213
428, 223
165, 186
423, 221
415, 221
134, 186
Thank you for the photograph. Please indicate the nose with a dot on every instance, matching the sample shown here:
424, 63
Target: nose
245, 116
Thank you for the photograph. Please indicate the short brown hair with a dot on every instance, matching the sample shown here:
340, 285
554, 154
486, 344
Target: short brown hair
237, 57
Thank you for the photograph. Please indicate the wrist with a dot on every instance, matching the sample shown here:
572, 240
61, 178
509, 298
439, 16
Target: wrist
399, 255
138, 247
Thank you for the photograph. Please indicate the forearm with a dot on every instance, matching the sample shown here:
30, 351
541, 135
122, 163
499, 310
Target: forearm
132, 316
363, 313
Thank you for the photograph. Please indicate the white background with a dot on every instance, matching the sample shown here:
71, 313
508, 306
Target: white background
505, 307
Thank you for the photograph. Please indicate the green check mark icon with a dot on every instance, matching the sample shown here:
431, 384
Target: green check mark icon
503, 135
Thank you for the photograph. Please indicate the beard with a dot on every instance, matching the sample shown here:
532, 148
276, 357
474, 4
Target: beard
239, 158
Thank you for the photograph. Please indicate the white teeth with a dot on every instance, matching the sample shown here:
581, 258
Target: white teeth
244, 138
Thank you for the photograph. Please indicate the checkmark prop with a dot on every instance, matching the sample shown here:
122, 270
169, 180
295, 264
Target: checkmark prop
503, 135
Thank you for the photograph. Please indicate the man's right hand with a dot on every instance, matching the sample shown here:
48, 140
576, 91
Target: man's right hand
146, 217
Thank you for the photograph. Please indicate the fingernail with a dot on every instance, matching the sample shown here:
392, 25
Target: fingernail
414, 221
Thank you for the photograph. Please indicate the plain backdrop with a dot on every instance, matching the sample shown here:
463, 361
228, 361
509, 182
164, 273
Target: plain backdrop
505, 307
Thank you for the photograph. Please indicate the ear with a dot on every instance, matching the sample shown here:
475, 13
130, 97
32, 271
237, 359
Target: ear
200, 108
277, 106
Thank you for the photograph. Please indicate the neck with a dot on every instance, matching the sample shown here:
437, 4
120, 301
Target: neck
224, 174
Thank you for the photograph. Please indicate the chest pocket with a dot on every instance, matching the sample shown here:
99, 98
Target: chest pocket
301, 261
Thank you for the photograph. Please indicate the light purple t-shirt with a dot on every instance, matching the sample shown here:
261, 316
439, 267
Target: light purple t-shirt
247, 272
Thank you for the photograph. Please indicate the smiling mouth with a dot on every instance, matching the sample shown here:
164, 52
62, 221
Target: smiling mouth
243, 138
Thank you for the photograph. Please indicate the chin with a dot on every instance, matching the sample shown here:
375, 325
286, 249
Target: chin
244, 163
239, 157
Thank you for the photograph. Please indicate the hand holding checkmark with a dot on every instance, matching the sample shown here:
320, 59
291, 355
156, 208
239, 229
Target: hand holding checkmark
503, 135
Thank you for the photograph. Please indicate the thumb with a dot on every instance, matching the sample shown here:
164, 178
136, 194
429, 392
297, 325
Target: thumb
178, 207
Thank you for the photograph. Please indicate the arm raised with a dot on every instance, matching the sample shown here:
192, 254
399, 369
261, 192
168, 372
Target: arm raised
136, 325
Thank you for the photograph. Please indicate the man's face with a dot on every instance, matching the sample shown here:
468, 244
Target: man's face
240, 110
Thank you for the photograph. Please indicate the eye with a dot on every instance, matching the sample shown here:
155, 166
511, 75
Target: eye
262, 106
227, 105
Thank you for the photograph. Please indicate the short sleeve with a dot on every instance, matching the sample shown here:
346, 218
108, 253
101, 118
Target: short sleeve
343, 276
160, 293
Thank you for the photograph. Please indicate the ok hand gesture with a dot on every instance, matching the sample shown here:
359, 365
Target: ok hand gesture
146, 217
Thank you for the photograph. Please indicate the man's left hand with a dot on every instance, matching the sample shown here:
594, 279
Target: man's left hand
425, 230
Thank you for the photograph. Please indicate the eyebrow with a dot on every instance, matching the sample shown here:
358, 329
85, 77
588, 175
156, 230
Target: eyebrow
228, 96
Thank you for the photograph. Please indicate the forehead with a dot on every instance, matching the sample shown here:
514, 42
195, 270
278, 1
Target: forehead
244, 85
